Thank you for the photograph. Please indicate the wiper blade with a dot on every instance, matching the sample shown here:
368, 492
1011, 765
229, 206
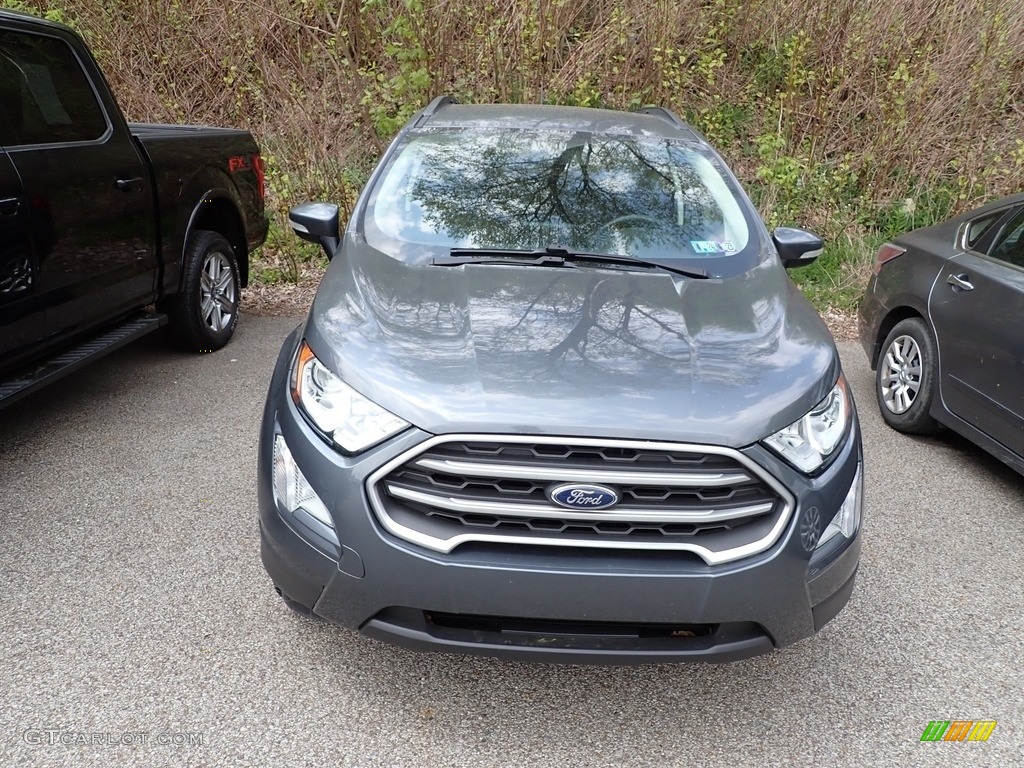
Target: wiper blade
554, 256
460, 256
620, 258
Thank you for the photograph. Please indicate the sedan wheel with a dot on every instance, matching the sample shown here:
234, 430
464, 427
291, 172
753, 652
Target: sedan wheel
905, 379
900, 374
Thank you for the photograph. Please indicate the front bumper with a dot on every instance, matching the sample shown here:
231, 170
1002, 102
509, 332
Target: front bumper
546, 603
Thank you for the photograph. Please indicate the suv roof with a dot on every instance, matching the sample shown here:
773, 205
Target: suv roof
652, 121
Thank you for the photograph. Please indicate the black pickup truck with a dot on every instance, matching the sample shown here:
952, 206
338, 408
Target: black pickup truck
109, 229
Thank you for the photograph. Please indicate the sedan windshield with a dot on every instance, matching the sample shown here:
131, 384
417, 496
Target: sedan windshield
585, 192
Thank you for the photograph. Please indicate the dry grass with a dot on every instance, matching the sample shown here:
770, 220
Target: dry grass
829, 109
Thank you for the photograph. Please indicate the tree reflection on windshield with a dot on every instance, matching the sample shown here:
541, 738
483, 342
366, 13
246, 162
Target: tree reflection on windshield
525, 190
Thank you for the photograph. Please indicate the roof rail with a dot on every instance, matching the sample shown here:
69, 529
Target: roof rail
433, 107
664, 114
684, 127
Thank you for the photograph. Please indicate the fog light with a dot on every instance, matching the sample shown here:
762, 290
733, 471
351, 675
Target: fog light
847, 519
297, 500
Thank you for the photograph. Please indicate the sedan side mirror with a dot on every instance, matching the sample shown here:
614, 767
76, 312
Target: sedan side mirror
797, 247
316, 223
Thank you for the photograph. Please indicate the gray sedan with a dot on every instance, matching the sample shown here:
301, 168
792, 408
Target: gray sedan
940, 323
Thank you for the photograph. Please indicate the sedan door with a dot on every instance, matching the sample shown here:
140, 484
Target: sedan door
977, 309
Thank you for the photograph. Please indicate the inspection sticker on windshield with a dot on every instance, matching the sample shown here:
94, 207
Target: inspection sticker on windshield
711, 246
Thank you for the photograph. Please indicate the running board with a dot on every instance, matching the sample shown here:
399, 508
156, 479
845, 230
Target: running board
38, 376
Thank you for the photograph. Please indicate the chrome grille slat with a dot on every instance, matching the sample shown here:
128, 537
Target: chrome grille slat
451, 490
569, 474
619, 513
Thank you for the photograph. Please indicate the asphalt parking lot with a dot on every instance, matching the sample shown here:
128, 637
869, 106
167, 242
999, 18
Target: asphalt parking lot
137, 626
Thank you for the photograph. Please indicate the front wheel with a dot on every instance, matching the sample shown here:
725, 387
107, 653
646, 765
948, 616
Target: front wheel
906, 378
204, 314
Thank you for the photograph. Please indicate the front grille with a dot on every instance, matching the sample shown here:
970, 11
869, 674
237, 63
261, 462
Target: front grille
709, 500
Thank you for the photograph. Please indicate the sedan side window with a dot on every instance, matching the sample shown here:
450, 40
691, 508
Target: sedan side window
1009, 246
978, 228
45, 92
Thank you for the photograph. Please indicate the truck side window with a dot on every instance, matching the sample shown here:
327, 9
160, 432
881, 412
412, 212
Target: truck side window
45, 92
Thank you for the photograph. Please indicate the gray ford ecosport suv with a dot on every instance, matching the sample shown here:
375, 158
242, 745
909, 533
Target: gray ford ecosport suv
557, 399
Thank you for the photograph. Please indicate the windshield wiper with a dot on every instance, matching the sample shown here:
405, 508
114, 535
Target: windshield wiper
554, 256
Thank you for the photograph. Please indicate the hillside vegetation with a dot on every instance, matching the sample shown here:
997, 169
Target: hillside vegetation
858, 118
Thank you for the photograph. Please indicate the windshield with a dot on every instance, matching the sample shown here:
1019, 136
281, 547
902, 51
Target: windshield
529, 189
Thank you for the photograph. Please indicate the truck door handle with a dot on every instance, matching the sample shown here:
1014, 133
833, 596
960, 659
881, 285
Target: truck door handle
126, 185
9, 207
961, 281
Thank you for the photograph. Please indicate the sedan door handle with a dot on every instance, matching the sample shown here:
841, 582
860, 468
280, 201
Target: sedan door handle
961, 281
126, 185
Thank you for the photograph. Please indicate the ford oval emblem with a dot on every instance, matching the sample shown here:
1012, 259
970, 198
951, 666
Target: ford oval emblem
584, 496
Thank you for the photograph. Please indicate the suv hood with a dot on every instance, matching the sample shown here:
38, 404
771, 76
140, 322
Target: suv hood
578, 351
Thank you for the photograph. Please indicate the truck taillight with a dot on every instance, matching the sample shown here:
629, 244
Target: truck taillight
261, 176
887, 252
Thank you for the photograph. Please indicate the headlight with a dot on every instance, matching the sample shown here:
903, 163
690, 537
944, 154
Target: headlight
352, 421
809, 442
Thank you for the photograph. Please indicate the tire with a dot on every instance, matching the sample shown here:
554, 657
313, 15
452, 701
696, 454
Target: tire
906, 378
204, 314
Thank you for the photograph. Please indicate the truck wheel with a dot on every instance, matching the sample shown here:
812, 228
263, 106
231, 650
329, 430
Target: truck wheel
205, 313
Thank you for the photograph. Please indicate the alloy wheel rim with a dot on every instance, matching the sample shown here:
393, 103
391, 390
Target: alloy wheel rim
218, 301
900, 374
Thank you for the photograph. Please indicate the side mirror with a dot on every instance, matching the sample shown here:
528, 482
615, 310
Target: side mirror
797, 247
316, 223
